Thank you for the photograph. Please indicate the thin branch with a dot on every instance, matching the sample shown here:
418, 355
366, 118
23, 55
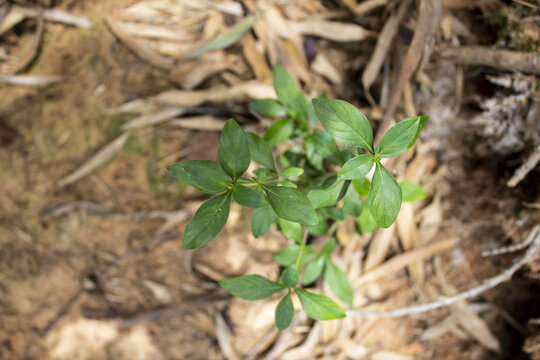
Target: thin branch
446, 301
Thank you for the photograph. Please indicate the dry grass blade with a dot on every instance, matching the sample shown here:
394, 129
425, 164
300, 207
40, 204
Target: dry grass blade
475, 326
189, 74
400, 261
384, 42
12, 18
95, 161
29, 80
255, 58
242, 91
379, 247
368, 5
140, 49
332, 30
322, 66
426, 27
225, 338
203, 122
527, 62
59, 16
227, 37
153, 118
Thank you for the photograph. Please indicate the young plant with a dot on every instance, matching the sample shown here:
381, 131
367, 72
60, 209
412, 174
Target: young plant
302, 192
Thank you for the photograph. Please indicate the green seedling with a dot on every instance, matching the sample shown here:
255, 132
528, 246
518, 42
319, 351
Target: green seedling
319, 181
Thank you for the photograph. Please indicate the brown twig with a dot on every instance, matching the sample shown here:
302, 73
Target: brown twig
496, 58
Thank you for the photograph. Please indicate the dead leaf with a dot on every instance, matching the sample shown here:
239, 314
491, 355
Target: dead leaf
153, 118
322, 66
139, 48
101, 157
29, 80
333, 30
400, 261
242, 91
379, 247
191, 73
225, 338
203, 123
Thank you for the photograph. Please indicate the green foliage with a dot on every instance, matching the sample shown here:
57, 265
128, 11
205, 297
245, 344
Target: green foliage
207, 222
319, 307
248, 197
320, 179
291, 204
233, 153
384, 198
289, 277
251, 287
412, 192
284, 313
262, 219
204, 175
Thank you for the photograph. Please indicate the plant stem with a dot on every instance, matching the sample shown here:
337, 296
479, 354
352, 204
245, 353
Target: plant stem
332, 229
302, 246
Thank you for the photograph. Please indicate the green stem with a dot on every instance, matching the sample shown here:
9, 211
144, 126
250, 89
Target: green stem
332, 229
302, 247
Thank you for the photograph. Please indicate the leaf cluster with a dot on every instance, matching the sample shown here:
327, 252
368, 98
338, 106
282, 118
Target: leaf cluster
320, 179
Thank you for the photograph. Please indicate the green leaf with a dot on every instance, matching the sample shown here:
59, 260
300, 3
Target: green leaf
284, 313
319, 307
384, 198
357, 168
251, 287
292, 230
228, 37
233, 152
318, 229
366, 222
313, 156
289, 277
291, 204
261, 220
352, 203
312, 271
279, 131
324, 143
207, 222
334, 213
248, 197
292, 172
268, 107
329, 247
288, 93
401, 137
412, 192
264, 174
204, 175
260, 151
331, 192
362, 186
345, 123
288, 255
338, 282
287, 183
